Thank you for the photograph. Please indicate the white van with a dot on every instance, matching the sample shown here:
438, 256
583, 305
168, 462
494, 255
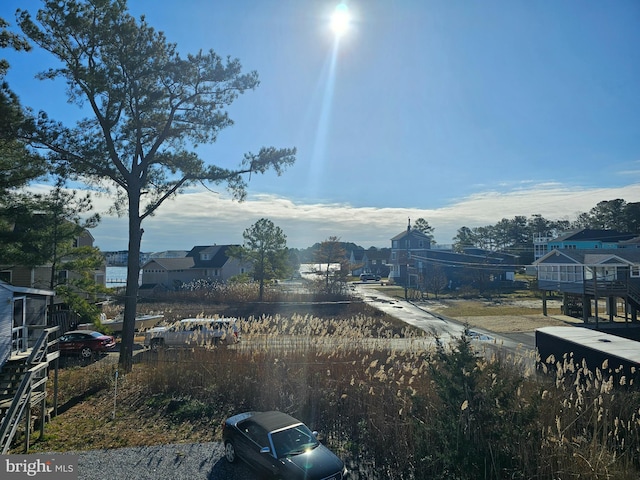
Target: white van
192, 332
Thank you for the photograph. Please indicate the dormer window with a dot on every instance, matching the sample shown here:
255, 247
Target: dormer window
205, 256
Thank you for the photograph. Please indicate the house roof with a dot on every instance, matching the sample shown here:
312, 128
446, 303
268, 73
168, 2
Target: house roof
597, 256
481, 252
217, 256
26, 290
358, 254
451, 258
173, 263
412, 233
587, 234
382, 254
635, 241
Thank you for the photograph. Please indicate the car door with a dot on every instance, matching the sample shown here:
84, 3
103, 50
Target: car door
252, 439
173, 336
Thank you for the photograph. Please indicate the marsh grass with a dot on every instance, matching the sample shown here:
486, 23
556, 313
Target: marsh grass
393, 403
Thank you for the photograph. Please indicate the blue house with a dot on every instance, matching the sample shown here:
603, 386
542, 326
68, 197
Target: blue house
587, 239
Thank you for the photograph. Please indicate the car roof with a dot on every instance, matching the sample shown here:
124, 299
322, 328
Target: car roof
274, 420
88, 332
207, 320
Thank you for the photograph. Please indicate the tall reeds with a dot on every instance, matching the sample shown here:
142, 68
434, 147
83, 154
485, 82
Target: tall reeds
398, 405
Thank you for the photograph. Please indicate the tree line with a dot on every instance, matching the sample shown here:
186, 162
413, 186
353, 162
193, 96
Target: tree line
516, 235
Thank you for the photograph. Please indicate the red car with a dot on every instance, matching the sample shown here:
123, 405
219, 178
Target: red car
85, 343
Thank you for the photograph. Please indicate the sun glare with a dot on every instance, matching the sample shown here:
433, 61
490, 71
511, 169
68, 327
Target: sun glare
340, 19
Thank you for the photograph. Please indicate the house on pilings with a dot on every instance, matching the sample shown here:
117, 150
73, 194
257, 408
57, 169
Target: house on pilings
593, 283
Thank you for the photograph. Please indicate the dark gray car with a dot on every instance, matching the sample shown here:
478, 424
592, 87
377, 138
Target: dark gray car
278, 445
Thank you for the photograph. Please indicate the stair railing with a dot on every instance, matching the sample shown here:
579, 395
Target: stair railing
38, 360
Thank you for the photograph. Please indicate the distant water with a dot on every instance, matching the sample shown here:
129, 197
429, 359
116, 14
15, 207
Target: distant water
117, 277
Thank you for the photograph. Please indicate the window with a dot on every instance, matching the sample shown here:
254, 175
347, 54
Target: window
635, 271
5, 276
256, 433
560, 273
63, 276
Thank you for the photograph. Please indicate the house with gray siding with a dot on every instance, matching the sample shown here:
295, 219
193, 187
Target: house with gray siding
405, 247
23, 312
28, 347
583, 276
210, 263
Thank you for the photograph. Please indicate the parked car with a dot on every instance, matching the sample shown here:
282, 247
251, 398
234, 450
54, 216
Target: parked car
85, 343
369, 276
279, 446
191, 332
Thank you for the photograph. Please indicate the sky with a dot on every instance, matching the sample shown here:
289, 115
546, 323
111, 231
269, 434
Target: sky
456, 111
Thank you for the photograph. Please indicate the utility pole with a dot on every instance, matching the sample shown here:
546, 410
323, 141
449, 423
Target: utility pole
406, 282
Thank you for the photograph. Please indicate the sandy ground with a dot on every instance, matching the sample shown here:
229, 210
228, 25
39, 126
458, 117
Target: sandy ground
509, 323
522, 323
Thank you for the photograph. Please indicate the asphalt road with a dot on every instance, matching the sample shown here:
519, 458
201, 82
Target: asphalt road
447, 329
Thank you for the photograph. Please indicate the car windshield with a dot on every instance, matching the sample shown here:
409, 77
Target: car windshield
95, 334
293, 441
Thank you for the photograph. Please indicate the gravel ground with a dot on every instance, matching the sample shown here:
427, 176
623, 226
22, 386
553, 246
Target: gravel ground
193, 461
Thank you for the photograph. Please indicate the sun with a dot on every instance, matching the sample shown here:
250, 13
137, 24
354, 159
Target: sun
340, 20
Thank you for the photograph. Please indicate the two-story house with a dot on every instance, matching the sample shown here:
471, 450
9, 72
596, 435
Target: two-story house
590, 239
209, 263
415, 263
405, 247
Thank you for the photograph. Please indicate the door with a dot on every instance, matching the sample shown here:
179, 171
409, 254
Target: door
19, 334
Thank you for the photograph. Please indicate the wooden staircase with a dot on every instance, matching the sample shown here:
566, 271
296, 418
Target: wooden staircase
23, 385
628, 290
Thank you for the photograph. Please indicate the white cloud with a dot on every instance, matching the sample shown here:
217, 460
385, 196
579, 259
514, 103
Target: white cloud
204, 218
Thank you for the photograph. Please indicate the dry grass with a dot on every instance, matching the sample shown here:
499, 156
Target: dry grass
405, 413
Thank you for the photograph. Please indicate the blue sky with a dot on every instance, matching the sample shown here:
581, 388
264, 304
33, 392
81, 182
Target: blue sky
460, 112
